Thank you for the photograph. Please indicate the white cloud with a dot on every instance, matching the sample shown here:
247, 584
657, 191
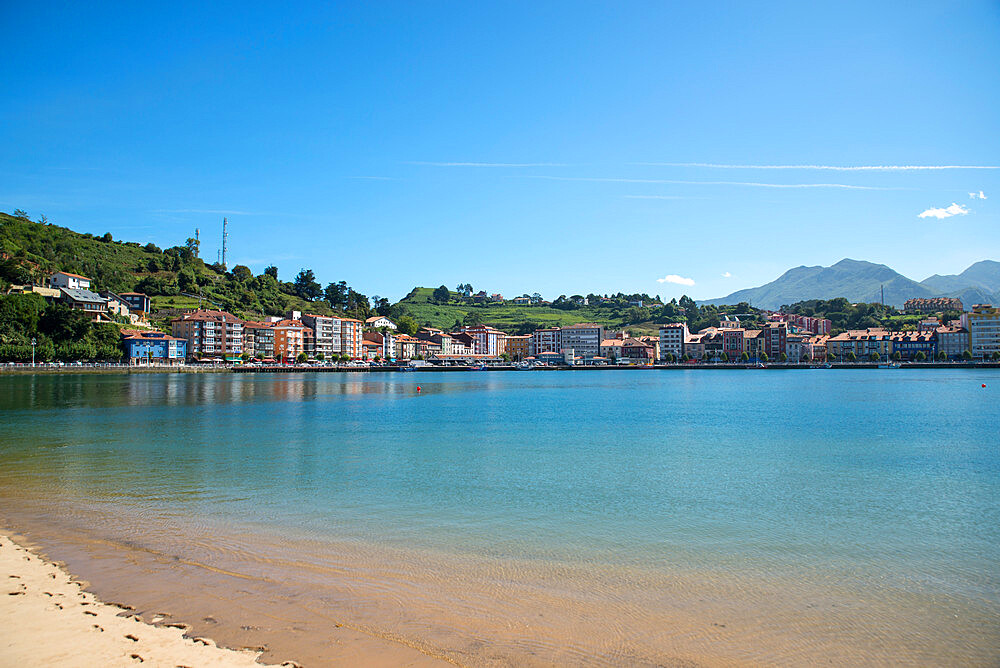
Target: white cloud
706, 183
979, 195
674, 278
947, 212
834, 168
726, 274
653, 197
487, 164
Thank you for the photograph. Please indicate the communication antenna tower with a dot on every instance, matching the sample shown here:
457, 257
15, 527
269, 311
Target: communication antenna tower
197, 240
225, 241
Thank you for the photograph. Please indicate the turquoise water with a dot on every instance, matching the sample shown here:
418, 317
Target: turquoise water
862, 480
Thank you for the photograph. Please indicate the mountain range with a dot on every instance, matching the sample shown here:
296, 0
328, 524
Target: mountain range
861, 281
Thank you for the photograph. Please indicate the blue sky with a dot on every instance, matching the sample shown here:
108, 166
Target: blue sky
520, 147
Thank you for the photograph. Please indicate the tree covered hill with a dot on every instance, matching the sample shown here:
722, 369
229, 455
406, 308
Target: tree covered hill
175, 276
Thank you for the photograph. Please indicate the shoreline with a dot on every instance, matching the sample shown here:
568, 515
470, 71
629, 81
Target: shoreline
58, 622
774, 366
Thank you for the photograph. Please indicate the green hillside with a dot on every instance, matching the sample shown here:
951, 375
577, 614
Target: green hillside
31, 251
616, 313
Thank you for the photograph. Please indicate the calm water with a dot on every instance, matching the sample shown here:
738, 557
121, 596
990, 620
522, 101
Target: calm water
654, 500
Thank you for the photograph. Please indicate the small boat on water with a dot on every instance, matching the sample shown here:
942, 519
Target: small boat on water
889, 365
477, 367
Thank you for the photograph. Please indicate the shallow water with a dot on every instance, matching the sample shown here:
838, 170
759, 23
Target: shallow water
623, 517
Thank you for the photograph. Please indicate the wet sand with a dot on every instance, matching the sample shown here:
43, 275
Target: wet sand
48, 619
343, 604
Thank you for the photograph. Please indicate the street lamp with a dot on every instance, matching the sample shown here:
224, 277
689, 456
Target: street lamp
33, 342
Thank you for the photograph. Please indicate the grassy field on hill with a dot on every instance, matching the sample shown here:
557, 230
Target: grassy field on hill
420, 305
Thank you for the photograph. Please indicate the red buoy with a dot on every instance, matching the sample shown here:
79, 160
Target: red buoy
418, 387
984, 384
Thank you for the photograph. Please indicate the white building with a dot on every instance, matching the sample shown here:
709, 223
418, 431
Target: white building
64, 279
488, 341
672, 338
379, 321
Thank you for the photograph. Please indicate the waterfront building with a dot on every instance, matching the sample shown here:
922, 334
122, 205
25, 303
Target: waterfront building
672, 338
548, 340
814, 348
952, 341
258, 339
775, 335
145, 347
861, 342
983, 324
517, 346
584, 339
795, 347
908, 344
379, 321
92, 304
732, 342
753, 343
385, 342
694, 346
611, 349
638, 351
407, 347
351, 332
64, 279
486, 340
933, 304
210, 333
326, 334
289, 339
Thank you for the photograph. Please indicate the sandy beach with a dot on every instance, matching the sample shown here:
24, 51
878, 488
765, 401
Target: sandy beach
49, 619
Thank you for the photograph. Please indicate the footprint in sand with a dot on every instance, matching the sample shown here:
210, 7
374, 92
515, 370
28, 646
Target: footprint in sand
98, 628
88, 612
131, 637
136, 657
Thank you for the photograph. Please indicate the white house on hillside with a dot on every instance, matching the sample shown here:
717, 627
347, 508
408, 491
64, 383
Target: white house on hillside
379, 321
64, 279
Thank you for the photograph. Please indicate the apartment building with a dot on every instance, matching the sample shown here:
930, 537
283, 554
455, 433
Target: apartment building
775, 335
861, 342
517, 347
210, 333
732, 342
326, 334
924, 305
351, 336
952, 341
486, 340
672, 338
983, 324
289, 339
583, 339
547, 340
258, 339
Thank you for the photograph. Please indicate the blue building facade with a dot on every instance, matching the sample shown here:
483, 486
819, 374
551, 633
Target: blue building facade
155, 347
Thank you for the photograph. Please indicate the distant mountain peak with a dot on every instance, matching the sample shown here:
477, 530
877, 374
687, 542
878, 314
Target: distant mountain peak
864, 281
